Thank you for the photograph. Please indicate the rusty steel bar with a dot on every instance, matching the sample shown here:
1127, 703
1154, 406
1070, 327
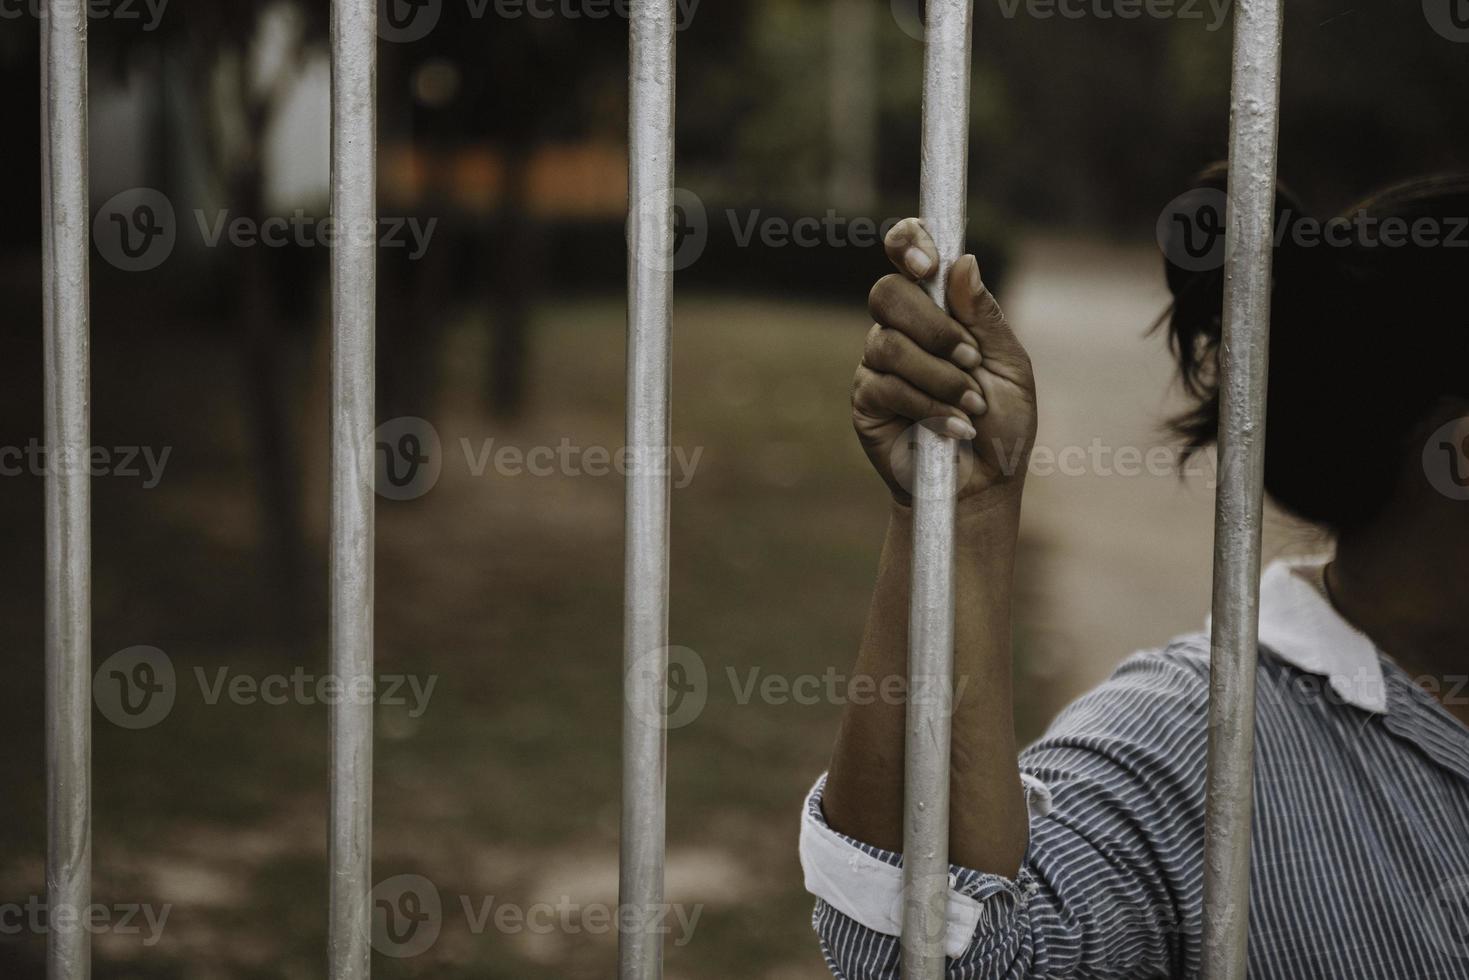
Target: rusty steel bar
68, 495
645, 575
1244, 362
354, 301
943, 194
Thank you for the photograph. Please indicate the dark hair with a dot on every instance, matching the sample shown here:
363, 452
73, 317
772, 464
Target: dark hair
1368, 331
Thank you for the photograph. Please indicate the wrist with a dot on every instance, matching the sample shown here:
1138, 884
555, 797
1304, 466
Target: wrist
996, 505
986, 524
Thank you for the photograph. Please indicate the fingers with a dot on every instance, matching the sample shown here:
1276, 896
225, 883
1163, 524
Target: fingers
903, 306
890, 352
911, 249
886, 395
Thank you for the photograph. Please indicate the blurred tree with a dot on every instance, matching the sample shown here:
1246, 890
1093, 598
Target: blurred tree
244, 59
525, 76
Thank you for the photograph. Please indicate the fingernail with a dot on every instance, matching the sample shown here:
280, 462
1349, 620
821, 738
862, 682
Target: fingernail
976, 283
972, 403
966, 356
917, 261
959, 429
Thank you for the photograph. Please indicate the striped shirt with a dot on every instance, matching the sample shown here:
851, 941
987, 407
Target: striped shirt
1360, 854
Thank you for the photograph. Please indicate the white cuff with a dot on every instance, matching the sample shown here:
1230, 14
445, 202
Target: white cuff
869, 890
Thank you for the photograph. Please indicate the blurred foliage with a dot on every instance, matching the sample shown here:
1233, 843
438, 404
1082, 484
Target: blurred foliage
1094, 120
1100, 121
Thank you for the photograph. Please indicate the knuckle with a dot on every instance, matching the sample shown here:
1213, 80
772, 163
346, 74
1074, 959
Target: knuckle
939, 337
889, 348
899, 234
872, 346
886, 393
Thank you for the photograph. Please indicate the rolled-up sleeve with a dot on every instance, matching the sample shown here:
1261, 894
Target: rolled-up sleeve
1110, 884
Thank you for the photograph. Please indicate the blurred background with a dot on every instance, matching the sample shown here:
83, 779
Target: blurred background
500, 322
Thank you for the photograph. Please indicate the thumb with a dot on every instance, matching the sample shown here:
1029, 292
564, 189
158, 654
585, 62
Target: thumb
972, 304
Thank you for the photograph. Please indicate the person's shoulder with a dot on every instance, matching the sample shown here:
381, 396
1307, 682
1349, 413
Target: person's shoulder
1163, 688
1149, 719
1180, 668
1177, 675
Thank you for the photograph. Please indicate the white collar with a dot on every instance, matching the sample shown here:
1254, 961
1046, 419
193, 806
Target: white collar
1300, 626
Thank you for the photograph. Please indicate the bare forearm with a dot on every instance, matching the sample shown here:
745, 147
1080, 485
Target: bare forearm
864, 791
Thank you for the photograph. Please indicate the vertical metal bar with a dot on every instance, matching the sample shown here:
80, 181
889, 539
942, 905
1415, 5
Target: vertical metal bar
68, 492
645, 574
354, 302
1244, 362
942, 203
